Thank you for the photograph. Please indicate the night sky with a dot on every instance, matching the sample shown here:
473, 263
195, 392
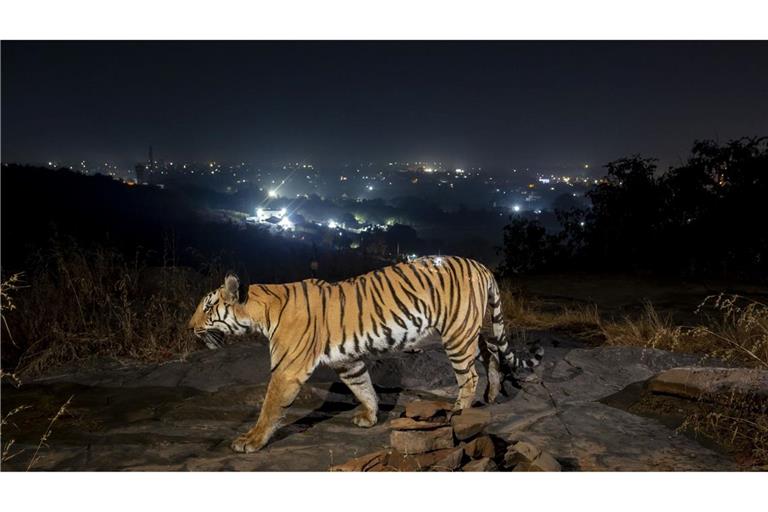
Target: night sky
496, 104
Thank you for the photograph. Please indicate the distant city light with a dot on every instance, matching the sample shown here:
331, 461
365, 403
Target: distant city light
429, 169
286, 224
581, 223
370, 187
516, 208
459, 171
332, 224
272, 193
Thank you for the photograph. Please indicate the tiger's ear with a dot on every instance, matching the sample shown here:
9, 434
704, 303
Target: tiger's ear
232, 287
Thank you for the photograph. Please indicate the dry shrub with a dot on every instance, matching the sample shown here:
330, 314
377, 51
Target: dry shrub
650, 329
740, 426
733, 328
525, 313
81, 303
739, 326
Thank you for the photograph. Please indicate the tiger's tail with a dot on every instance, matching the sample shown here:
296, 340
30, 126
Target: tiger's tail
512, 360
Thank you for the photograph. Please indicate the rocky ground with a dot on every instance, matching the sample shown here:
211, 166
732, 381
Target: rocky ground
182, 415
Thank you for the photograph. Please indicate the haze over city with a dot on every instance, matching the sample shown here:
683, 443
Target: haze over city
548, 106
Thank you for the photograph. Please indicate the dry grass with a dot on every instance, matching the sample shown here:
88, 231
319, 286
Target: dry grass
741, 427
47, 434
77, 304
525, 313
733, 328
8, 446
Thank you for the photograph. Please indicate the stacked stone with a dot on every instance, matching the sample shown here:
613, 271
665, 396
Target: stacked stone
430, 437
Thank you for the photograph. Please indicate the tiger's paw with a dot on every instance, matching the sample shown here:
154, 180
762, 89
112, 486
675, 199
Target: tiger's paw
365, 418
246, 444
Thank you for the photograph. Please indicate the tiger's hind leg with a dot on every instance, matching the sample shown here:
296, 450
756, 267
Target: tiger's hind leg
462, 353
355, 375
490, 352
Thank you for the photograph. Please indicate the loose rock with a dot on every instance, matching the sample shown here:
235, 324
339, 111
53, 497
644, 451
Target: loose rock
484, 464
411, 424
450, 462
470, 422
524, 456
438, 460
426, 409
480, 448
545, 462
375, 461
420, 441
521, 452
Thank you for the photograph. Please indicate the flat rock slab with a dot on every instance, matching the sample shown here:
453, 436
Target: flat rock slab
717, 384
183, 415
427, 409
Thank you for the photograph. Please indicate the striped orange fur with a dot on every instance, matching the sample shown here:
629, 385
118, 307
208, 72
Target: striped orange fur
312, 322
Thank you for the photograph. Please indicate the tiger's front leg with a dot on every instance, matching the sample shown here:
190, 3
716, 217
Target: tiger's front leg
355, 375
281, 392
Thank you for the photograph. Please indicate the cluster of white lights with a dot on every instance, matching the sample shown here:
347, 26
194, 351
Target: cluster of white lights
516, 208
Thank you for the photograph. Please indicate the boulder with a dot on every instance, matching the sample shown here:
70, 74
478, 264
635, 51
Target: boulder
411, 424
715, 384
480, 448
426, 409
470, 422
484, 464
420, 441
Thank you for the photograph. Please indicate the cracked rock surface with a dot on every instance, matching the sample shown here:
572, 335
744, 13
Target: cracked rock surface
182, 415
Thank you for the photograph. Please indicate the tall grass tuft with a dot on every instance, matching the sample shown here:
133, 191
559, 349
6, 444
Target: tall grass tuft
80, 303
732, 329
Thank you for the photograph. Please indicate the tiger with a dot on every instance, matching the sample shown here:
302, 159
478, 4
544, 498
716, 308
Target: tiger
313, 322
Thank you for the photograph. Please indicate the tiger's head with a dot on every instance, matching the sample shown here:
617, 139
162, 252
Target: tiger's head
220, 313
